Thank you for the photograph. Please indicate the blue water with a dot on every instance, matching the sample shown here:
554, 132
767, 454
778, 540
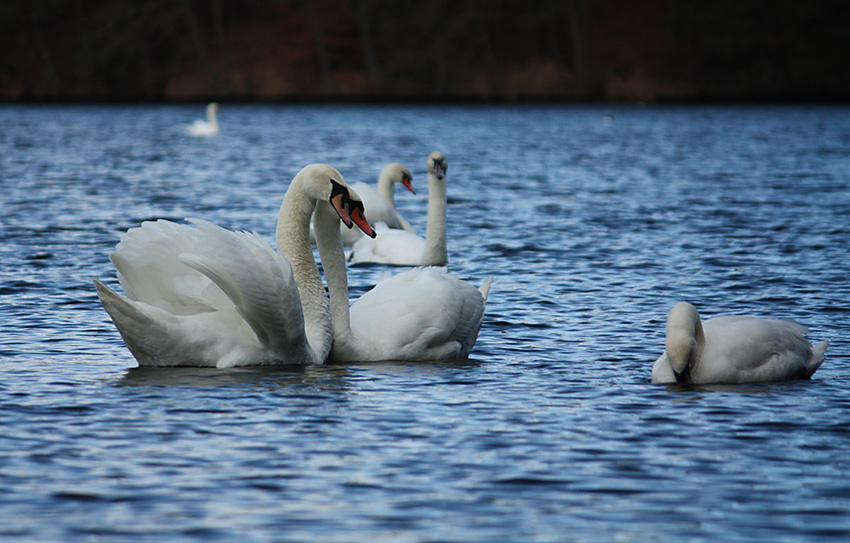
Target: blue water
593, 220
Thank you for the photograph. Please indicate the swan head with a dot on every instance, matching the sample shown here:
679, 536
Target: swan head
323, 183
212, 107
683, 339
356, 211
398, 173
437, 164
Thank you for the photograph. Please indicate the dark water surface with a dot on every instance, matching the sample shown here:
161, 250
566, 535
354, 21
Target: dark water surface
593, 220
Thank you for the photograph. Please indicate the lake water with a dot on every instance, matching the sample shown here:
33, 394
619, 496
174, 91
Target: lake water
594, 220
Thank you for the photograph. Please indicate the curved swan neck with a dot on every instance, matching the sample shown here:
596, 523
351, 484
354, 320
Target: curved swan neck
293, 241
329, 242
385, 186
435, 253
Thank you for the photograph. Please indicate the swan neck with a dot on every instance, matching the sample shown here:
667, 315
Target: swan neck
329, 242
385, 188
293, 241
211, 117
435, 253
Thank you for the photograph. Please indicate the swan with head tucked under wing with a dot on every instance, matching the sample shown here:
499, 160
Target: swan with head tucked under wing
423, 314
403, 248
734, 350
205, 296
208, 128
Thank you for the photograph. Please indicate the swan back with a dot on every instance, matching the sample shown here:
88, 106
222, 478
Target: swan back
424, 314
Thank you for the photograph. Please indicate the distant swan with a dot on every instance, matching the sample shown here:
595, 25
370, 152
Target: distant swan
206, 296
403, 248
734, 350
205, 129
423, 314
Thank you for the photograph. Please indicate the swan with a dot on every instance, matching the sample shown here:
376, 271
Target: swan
734, 350
423, 314
403, 248
204, 296
205, 129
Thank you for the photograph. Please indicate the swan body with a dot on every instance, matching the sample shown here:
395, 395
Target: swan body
208, 128
423, 314
403, 248
201, 295
734, 350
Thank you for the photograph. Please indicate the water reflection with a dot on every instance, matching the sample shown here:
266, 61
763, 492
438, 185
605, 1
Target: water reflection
326, 377
759, 388
329, 376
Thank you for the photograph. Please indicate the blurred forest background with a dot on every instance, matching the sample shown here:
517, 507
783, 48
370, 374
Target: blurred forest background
479, 50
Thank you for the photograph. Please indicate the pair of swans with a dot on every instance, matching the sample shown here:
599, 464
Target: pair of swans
403, 247
205, 296
734, 350
208, 128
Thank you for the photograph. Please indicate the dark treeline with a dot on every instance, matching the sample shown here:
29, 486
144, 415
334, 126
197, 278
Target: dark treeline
649, 50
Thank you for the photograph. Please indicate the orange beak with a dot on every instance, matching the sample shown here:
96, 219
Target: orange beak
407, 183
339, 199
360, 219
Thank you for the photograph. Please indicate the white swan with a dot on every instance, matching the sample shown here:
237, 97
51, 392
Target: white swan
206, 296
422, 314
205, 129
734, 350
403, 248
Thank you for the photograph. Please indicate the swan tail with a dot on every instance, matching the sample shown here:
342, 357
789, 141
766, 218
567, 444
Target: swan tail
478, 307
138, 330
119, 307
818, 356
484, 289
